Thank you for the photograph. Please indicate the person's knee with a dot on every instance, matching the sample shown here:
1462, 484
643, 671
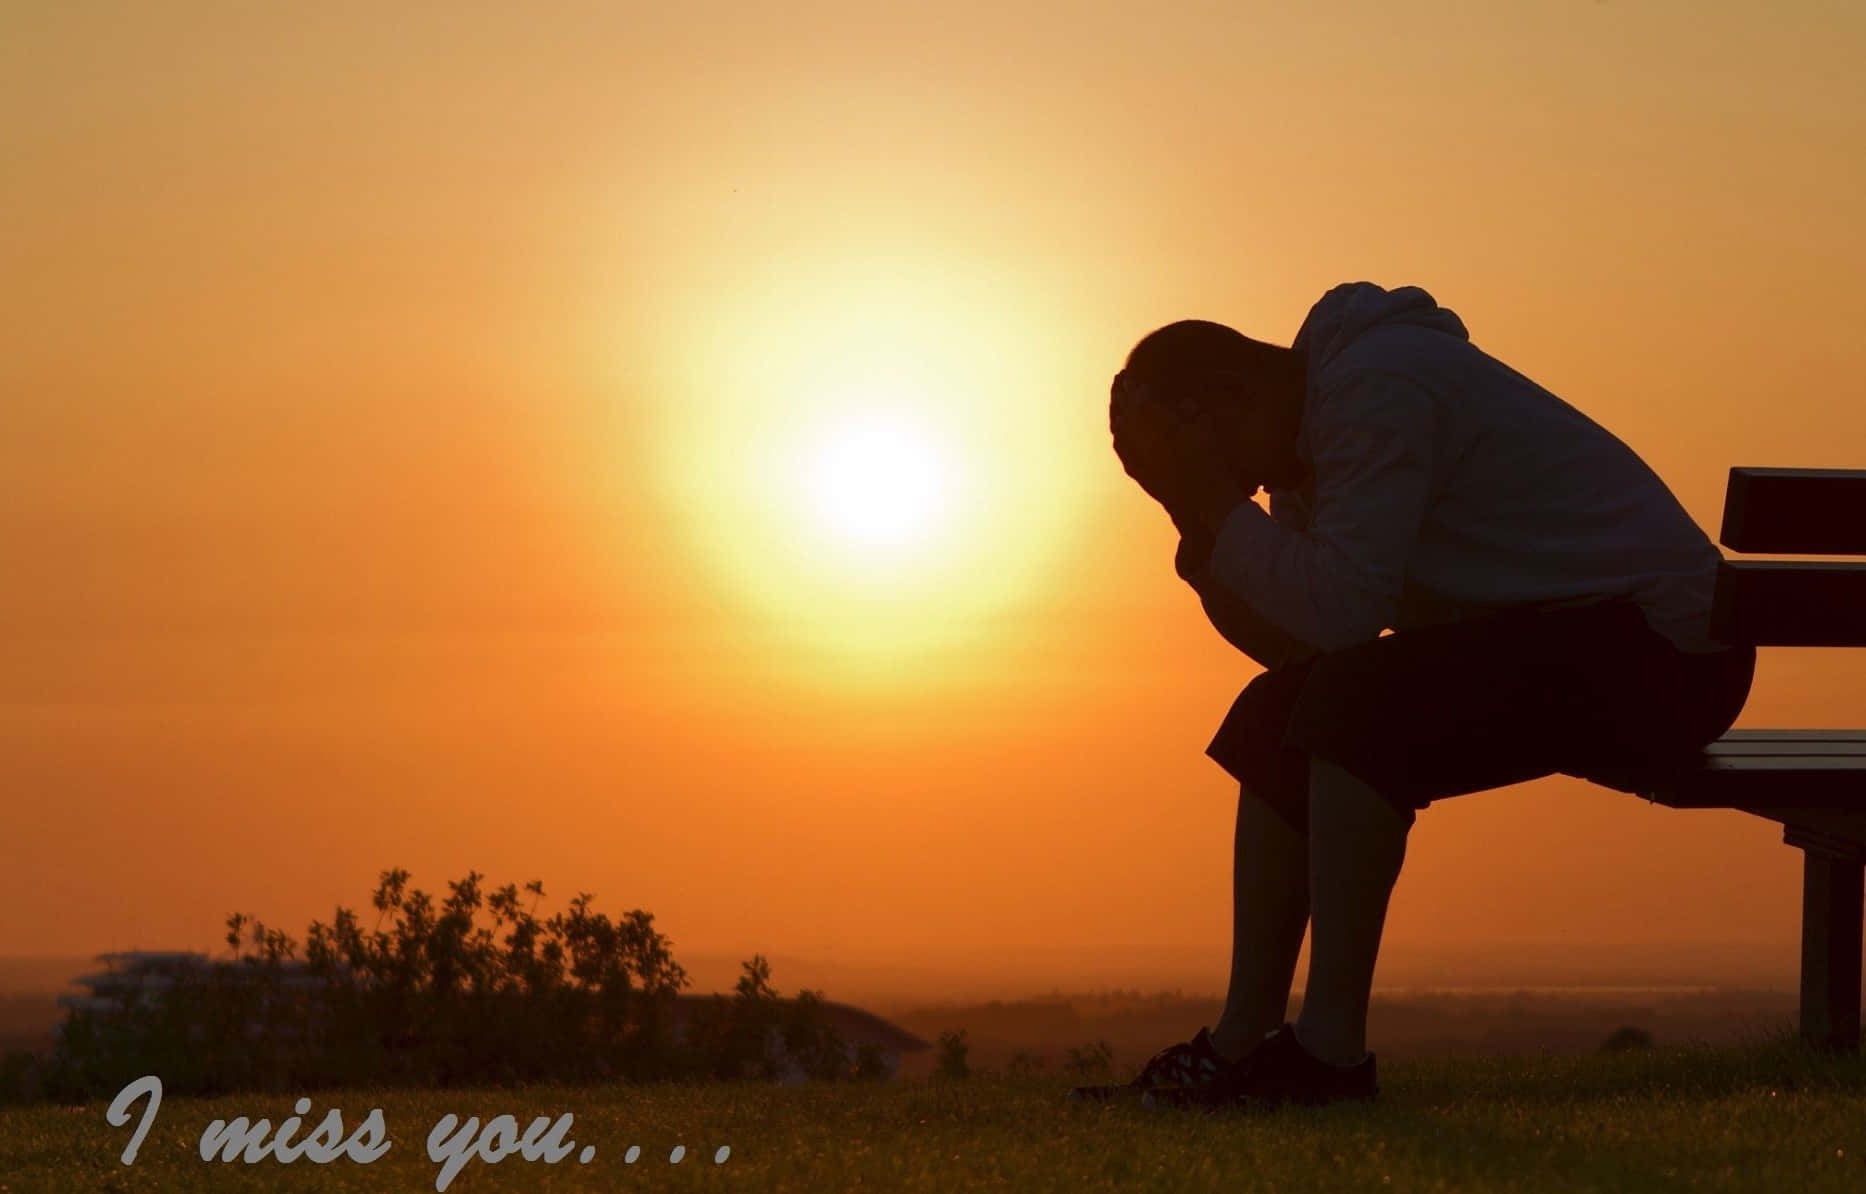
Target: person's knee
1266, 811
1336, 791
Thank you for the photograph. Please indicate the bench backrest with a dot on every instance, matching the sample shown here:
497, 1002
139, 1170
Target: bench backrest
1778, 603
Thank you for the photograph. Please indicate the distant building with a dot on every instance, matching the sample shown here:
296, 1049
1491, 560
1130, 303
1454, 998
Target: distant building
127, 976
144, 976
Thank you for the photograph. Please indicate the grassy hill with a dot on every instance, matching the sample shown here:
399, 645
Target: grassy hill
1763, 1117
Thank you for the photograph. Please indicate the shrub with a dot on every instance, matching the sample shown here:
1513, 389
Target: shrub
431, 1000
1626, 1037
1090, 1061
951, 1058
870, 1063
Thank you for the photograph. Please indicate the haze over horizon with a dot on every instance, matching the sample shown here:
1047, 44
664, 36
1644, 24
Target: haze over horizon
447, 439
1036, 971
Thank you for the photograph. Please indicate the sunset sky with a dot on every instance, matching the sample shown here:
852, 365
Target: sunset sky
661, 449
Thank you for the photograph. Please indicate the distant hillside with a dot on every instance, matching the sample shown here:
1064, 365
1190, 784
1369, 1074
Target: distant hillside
880, 974
1400, 1026
1428, 1000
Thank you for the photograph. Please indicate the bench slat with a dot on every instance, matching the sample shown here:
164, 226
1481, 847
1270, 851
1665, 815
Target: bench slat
1794, 736
1784, 750
1764, 769
1777, 603
1850, 762
1799, 511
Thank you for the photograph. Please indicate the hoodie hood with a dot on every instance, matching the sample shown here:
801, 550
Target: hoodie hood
1352, 309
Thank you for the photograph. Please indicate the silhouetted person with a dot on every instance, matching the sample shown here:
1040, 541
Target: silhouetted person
1548, 599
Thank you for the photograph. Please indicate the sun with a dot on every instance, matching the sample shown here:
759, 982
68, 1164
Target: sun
871, 461
878, 479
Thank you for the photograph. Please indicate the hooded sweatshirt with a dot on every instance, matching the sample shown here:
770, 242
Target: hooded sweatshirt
1443, 484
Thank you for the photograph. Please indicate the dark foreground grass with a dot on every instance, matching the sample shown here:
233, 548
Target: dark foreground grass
1769, 1116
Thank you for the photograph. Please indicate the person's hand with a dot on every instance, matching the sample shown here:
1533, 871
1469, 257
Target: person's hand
1175, 458
1144, 438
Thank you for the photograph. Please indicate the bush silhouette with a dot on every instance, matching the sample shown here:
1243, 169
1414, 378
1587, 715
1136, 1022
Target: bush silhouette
1626, 1037
952, 1051
431, 999
1091, 1061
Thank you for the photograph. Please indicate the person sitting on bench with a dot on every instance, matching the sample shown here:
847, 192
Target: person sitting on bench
1461, 582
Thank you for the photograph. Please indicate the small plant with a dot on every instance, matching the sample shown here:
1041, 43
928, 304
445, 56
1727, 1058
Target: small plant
1626, 1037
952, 1051
870, 1063
1024, 1064
1091, 1061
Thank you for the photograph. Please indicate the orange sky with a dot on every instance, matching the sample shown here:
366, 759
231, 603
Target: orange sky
400, 419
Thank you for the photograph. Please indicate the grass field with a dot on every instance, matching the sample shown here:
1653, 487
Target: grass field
1764, 1117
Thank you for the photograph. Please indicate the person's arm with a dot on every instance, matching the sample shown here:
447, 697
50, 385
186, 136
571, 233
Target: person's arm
1195, 542
1246, 629
1338, 582
1232, 617
1288, 508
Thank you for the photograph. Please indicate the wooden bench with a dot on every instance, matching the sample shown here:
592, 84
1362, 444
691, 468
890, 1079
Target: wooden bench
1811, 781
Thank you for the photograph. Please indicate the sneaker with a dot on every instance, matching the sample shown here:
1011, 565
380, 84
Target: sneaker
1185, 1066
1278, 1070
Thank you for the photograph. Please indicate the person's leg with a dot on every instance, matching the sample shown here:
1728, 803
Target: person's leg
1357, 842
1424, 714
1270, 909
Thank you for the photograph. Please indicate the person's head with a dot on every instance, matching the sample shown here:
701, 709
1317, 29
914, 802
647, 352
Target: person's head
1252, 392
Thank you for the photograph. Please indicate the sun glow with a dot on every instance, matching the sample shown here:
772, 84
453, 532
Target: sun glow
876, 459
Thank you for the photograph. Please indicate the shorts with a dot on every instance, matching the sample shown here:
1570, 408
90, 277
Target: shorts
1465, 706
